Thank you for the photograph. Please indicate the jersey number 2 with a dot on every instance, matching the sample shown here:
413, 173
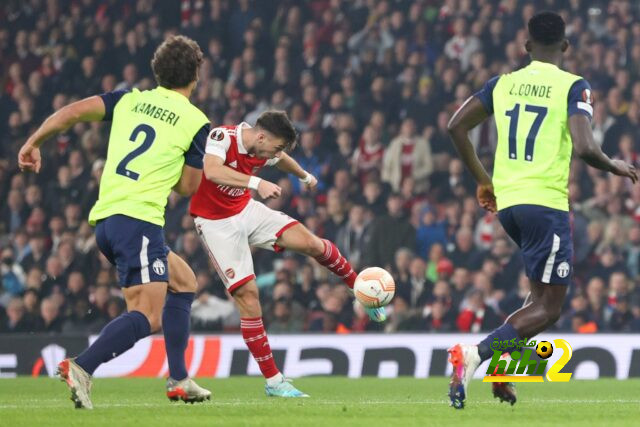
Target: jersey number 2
513, 114
149, 136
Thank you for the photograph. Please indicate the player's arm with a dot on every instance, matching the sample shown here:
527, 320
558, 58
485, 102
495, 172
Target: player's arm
580, 111
216, 147
589, 151
189, 181
216, 171
468, 116
191, 175
287, 164
85, 110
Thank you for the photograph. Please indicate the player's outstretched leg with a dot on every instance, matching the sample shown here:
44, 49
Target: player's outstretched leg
118, 336
176, 317
527, 322
255, 337
298, 238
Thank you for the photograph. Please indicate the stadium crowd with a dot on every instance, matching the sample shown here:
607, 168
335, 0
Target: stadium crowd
370, 86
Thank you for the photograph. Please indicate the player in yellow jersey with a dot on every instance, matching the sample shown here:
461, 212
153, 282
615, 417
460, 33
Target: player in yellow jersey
156, 144
540, 111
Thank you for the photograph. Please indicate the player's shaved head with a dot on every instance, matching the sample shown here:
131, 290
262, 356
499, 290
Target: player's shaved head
176, 62
546, 28
547, 41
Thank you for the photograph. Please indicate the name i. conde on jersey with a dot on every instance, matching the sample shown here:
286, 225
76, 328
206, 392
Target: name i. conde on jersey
526, 89
156, 112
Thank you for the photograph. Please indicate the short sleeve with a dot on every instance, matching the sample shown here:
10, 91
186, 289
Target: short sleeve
193, 156
580, 100
218, 143
485, 95
110, 100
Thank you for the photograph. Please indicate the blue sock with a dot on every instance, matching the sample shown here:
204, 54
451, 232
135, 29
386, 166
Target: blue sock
505, 332
117, 337
176, 318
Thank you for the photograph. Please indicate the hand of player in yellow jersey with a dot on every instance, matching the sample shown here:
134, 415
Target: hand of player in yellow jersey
622, 168
486, 197
29, 158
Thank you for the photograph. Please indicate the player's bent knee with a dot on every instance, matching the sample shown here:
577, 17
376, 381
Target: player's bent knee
246, 294
181, 276
248, 300
154, 319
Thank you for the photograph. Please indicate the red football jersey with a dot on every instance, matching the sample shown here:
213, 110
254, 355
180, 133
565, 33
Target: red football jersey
215, 201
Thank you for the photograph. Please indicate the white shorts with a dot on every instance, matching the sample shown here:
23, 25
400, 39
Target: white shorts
227, 240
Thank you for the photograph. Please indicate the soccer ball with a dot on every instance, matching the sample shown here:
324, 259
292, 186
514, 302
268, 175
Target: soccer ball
374, 287
544, 349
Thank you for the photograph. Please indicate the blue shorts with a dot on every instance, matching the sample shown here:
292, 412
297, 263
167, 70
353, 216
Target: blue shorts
544, 237
135, 247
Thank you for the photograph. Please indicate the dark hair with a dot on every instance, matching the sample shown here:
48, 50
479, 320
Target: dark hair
176, 62
546, 28
278, 124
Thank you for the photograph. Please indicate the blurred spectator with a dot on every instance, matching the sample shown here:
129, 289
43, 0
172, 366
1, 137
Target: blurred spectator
462, 45
408, 156
621, 317
581, 324
388, 234
438, 317
15, 212
49, 320
476, 316
211, 313
464, 252
17, 318
430, 232
368, 154
354, 236
13, 276
287, 314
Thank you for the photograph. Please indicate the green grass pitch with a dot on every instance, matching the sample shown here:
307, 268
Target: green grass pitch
240, 401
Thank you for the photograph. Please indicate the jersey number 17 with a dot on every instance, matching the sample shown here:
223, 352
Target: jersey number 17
513, 115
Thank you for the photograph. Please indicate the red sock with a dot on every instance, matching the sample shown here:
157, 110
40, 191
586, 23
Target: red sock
334, 261
256, 339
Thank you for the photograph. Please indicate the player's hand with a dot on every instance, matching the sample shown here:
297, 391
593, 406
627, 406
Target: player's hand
269, 190
310, 181
29, 158
622, 168
486, 197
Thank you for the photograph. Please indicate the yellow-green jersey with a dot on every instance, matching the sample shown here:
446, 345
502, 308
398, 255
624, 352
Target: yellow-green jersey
153, 134
531, 108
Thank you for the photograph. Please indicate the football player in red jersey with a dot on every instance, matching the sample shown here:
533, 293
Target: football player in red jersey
229, 221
